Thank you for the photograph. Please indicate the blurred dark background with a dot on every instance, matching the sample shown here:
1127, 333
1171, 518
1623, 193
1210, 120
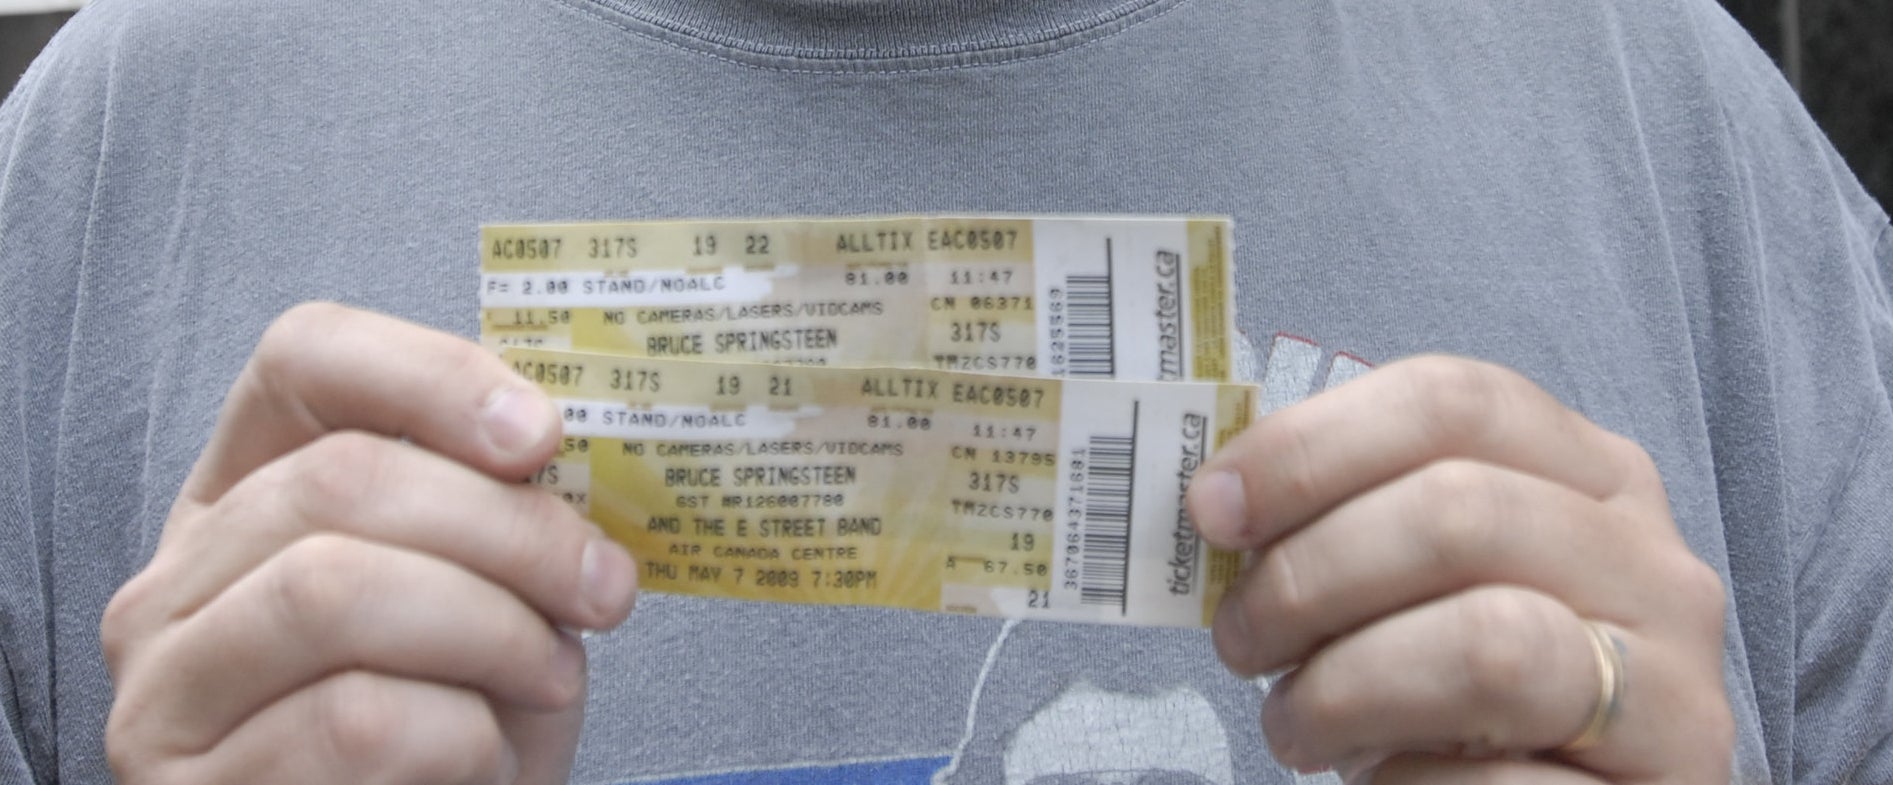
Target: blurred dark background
1838, 53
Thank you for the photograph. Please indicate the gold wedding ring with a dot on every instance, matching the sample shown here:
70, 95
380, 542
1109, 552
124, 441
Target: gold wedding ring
1610, 689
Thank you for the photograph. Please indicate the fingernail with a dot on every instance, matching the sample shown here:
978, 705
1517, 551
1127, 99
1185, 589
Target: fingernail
1220, 508
1361, 773
509, 764
607, 577
515, 419
568, 664
1231, 626
1278, 728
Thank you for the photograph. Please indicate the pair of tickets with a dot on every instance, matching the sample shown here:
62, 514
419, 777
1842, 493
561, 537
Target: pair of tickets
977, 414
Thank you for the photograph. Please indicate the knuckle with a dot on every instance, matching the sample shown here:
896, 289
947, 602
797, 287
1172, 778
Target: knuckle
177, 772
487, 750
152, 772
467, 360
1642, 475
525, 646
485, 755
125, 757
1462, 510
134, 757
1231, 645
1320, 704
478, 753
260, 496
359, 721
1505, 637
1700, 590
1409, 767
1481, 775
482, 372
565, 695
534, 511
1455, 397
362, 722
544, 539
1628, 452
1282, 601
280, 351
134, 737
304, 319
1454, 485
336, 473
316, 580
1294, 444
124, 615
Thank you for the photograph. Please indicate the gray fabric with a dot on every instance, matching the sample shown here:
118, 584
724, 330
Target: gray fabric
1621, 199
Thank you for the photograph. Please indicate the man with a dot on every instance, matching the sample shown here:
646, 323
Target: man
1651, 550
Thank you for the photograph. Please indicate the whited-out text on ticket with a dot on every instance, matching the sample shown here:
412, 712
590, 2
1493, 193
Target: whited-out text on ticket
1135, 298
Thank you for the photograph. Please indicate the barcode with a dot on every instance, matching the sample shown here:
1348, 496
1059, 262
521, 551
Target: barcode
1093, 339
1110, 476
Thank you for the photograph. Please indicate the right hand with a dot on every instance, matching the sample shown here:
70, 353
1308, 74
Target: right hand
353, 586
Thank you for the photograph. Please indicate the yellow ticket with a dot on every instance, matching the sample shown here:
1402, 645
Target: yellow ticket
1133, 298
1028, 497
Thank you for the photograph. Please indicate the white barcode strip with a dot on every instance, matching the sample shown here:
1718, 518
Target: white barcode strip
1093, 342
1110, 477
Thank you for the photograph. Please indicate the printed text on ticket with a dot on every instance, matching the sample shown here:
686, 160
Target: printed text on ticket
1026, 497
1135, 298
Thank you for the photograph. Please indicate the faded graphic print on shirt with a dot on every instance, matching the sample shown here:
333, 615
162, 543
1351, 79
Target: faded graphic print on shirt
1063, 704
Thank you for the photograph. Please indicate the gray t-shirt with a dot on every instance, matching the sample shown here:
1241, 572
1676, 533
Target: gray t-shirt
1620, 198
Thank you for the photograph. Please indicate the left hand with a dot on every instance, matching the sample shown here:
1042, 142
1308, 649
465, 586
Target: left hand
1430, 543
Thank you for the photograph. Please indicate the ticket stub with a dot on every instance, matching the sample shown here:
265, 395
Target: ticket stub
1031, 497
1137, 298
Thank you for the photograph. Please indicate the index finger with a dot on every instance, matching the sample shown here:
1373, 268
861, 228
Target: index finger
1297, 463
322, 367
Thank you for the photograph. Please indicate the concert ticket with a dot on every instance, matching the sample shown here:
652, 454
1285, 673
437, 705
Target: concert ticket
1134, 298
1027, 497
